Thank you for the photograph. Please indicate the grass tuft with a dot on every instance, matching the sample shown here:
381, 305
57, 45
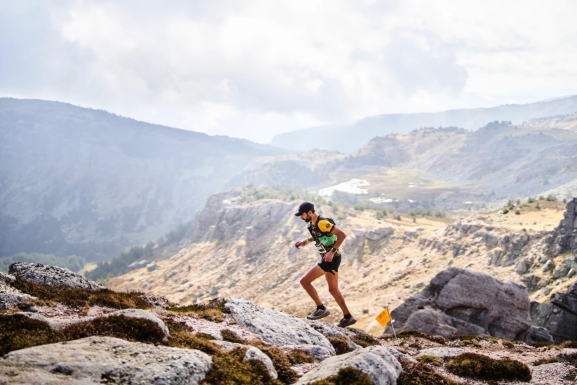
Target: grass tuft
433, 360
231, 368
20, 332
346, 376
363, 338
340, 343
230, 336
297, 357
484, 368
413, 333
77, 297
180, 337
212, 310
422, 374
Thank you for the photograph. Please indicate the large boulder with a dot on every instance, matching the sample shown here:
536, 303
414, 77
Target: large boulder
274, 327
95, 360
377, 362
51, 275
459, 302
11, 297
559, 316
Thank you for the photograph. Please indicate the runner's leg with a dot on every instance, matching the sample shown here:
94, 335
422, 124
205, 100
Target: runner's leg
306, 283
333, 281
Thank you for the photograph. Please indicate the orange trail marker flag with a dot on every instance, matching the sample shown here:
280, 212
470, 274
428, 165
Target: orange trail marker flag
384, 317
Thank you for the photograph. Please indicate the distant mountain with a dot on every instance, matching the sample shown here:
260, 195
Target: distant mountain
348, 138
80, 181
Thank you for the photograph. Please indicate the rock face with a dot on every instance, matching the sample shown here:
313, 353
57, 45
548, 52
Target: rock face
95, 360
375, 361
274, 327
461, 302
51, 275
10, 297
559, 316
564, 237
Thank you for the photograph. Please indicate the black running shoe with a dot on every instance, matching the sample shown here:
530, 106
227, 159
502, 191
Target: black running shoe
318, 314
343, 323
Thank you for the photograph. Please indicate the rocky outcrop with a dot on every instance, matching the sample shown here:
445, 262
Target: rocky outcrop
375, 361
224, 218
564, 237
95, 360
10, 297
51, 275
559, 316
274, 327
379, 234
462, 302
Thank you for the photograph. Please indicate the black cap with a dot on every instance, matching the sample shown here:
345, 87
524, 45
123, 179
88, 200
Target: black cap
305, 207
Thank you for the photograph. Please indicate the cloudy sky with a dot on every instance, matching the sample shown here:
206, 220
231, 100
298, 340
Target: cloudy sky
253, 69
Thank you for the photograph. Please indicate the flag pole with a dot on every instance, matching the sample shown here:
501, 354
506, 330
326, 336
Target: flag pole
393, 326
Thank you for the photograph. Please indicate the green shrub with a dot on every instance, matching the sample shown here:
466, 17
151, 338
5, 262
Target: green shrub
440, 214
551, 198
78, 297
537, 206
484, 368
517, 212
346, 376
505, 212
530, 200
340, 343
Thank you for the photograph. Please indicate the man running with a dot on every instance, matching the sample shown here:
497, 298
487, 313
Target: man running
328, 238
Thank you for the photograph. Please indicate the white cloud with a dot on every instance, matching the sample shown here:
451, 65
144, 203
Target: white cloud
257, 68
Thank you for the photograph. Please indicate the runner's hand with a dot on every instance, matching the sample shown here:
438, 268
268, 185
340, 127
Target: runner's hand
299, 244
329, 256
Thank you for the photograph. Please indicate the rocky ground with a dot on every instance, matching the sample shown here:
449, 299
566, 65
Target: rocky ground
67, 330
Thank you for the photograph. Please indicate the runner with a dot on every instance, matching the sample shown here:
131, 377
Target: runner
328, 238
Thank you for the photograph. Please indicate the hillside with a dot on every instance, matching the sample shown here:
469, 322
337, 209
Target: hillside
444, 168
81, 181
245, 246
348, 138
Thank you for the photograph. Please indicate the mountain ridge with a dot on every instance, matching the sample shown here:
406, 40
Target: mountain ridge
347, 138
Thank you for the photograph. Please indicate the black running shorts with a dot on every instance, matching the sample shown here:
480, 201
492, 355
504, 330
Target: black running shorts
332, 266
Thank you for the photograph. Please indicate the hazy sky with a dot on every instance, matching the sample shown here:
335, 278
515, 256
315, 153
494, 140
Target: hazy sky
253, 69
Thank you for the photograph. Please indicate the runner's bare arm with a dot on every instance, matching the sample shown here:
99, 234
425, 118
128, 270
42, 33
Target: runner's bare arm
340, 236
